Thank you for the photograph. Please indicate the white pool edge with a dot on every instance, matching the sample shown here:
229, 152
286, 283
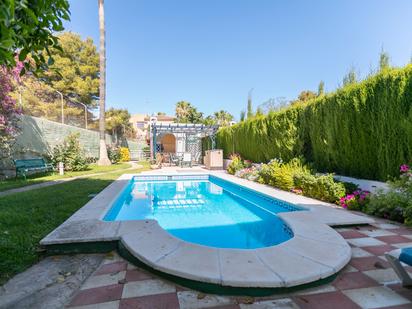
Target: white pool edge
315, 252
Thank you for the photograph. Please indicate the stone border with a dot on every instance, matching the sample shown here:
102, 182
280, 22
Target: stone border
314, 253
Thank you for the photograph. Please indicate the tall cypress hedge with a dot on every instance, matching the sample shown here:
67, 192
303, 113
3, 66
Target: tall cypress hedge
362, 130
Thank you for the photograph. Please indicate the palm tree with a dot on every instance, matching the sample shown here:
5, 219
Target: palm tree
183, 109
103, 158
223, 118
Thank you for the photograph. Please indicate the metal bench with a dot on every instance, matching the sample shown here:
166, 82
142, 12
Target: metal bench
36, 165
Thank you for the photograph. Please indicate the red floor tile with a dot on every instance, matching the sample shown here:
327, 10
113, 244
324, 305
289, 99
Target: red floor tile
353, 280
368, 263
379, 250
160, 301
137, 274
325, 300
97, 295
402, 231
111, 268
352, 234
394, 239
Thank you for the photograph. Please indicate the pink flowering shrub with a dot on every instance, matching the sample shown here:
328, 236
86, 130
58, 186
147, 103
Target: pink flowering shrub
9, 113
355, 201
249, 173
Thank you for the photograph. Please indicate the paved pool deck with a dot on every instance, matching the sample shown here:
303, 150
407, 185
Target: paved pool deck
316, 251
366, 282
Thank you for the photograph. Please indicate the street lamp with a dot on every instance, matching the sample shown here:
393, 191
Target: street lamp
85, 114
62, 104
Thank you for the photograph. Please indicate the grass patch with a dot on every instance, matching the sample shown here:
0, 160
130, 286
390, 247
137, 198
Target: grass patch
27, 217
39, 178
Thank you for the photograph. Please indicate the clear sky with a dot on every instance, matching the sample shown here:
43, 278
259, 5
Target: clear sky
212, 52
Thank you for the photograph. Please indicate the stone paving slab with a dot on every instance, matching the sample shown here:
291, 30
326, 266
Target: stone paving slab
364, 283
367, 282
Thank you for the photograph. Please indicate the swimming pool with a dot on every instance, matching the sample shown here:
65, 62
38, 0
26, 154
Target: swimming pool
206, 210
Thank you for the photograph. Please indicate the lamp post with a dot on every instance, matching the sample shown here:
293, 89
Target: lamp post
85, 113
62, 104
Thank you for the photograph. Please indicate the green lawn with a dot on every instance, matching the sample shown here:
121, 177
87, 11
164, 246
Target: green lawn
39, 178
26, 217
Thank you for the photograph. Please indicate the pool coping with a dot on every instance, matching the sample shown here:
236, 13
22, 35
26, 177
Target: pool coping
315, 252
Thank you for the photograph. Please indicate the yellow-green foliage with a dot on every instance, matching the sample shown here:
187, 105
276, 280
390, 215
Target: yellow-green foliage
124, 154
362, 130
281, 175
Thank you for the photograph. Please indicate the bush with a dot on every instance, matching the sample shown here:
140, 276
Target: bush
124, 154
396, 203
236, 165
322, 187
250, 173
350, 187
114, 154
281, 175
71, 154
362, 130
357, 200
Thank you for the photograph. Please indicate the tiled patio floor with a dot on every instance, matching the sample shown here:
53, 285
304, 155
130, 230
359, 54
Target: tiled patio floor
367, 282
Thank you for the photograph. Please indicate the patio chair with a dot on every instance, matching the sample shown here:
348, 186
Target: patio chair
197, 157
396, 258
186, 160
159, 160
175, 159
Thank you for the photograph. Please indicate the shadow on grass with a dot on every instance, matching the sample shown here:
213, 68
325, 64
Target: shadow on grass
27, 217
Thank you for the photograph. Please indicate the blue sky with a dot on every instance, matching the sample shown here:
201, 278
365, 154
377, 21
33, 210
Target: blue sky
212, 52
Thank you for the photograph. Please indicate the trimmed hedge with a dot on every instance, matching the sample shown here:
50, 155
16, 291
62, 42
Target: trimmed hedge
362, 130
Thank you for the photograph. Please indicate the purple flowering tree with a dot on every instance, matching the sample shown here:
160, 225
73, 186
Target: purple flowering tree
9, 112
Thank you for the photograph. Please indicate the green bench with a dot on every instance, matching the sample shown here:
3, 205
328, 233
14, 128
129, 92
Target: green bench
26, 166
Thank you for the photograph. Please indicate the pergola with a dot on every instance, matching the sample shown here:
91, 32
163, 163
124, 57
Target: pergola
186, 131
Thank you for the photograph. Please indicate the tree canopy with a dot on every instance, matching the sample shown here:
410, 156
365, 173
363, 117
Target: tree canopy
75, 71
117, 122
187, 113
26, 28
221, 118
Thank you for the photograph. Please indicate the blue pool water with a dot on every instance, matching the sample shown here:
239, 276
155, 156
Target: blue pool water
208, 211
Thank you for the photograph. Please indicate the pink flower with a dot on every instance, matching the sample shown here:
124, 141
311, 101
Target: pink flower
404, 168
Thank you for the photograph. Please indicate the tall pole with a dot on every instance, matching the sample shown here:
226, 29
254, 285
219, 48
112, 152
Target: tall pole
103, 158
61, 105
85, 113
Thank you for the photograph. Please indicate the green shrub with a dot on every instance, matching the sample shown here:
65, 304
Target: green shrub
236, 165
322, 187
390, 205
362, 130
281, 175
71, 154
357, 200
350, 187
114, 154
395, 203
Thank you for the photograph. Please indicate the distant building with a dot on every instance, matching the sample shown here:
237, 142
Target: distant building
141, 123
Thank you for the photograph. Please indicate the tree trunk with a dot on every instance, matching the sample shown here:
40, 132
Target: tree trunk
103, 158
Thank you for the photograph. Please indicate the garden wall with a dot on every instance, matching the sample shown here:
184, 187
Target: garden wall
362, 130
39, 136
